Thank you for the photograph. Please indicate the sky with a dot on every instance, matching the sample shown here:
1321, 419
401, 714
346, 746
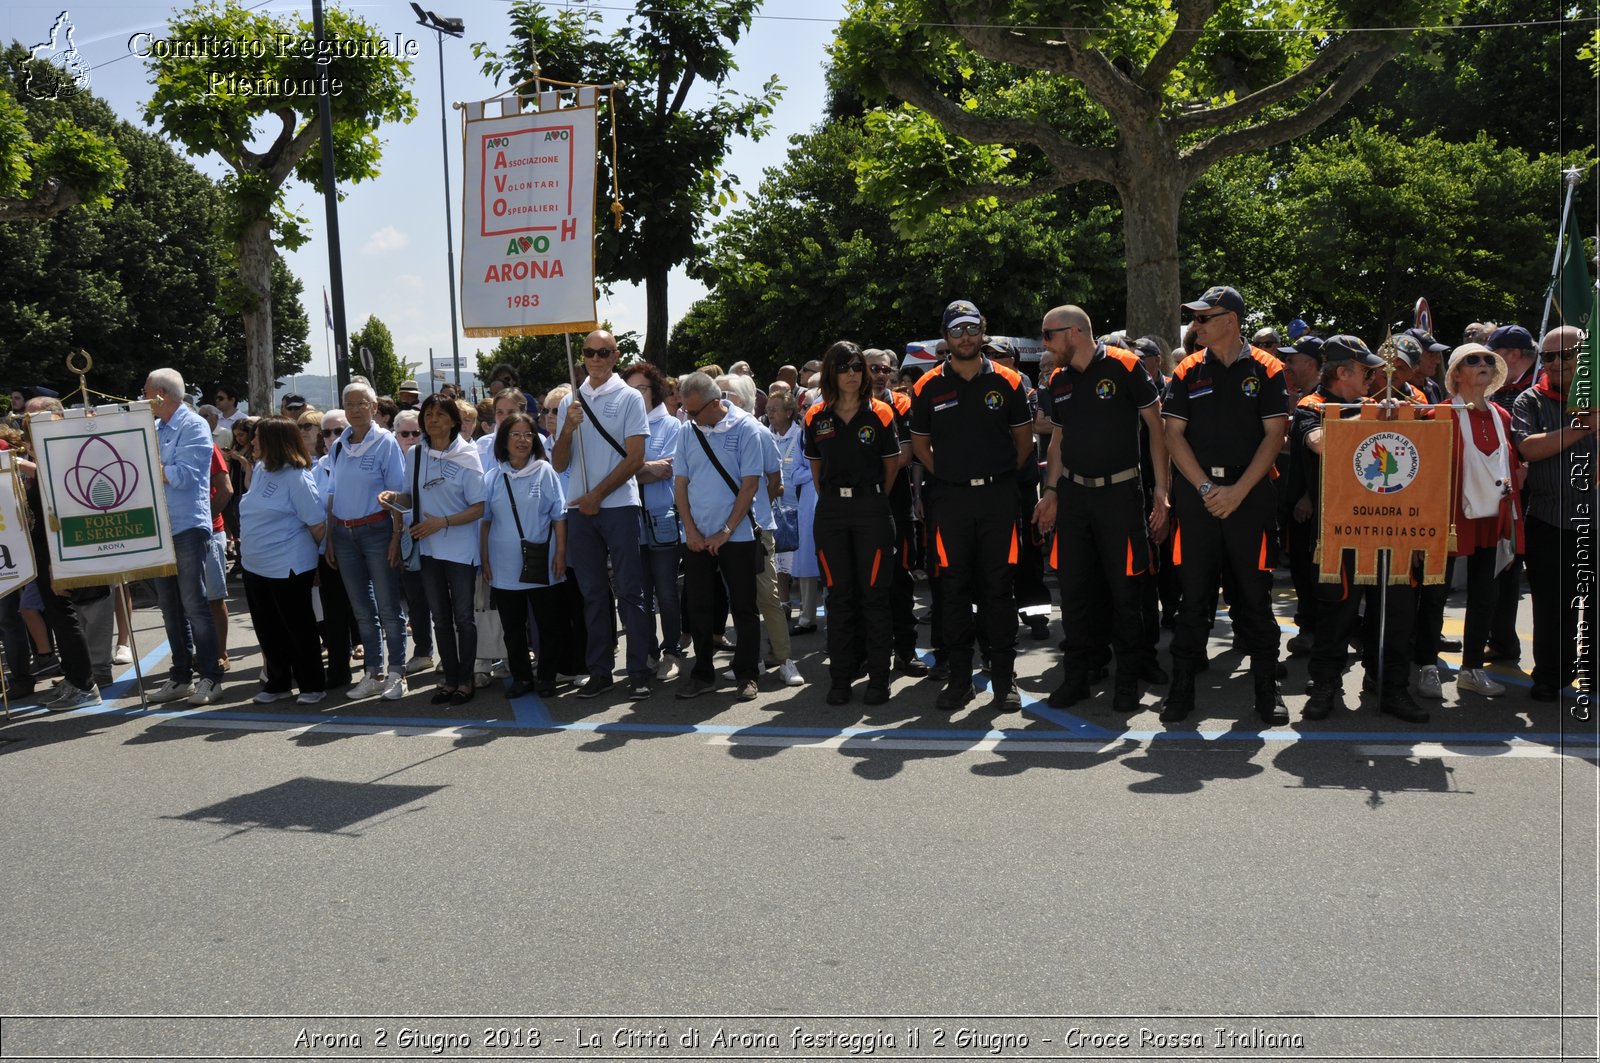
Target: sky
392, 228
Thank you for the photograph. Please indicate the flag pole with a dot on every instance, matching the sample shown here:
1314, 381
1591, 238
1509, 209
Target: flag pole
1561, 238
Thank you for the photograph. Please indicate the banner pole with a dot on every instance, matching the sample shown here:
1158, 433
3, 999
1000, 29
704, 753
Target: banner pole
572, 375
1561, 239
1383, 613
133, 644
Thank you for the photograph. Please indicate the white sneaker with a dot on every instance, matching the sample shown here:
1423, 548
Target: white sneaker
501, 670
205, 692
121, 655
370, 684
667, 668
170, 691
267, 697
311, 697
419, 663
728, 675
396, 688
1477, 681
791, 675
1428, 682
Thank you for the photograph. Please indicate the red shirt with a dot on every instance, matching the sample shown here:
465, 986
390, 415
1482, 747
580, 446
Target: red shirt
1481, 533
218, 465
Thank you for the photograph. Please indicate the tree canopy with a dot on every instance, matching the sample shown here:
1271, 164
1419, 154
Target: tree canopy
670, 150
540, 362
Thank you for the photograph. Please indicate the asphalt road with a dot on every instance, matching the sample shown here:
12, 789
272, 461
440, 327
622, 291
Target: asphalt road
589, 868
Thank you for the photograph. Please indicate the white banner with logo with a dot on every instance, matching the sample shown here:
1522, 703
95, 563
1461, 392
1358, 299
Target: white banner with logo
105, 506
527, 232
16, 544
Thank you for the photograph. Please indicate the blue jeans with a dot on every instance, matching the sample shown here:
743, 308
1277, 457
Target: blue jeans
373, 586
615, 532
450, 586
186, 610
661, 596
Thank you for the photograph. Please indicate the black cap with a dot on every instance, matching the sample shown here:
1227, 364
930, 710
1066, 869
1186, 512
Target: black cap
1220, 296
1310, 346
998, 349
1510, 336
294, 402
1344, 348
1147, 347
961, 312
1426, 338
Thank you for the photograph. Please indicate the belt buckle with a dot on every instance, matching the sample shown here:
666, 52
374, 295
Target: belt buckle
978, 481
847, 492
1218, 472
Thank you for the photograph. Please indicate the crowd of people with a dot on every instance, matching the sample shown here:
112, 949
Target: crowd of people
412, 539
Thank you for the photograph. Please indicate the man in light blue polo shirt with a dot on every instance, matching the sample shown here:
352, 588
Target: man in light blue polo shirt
185, 442
719, 537
601, 448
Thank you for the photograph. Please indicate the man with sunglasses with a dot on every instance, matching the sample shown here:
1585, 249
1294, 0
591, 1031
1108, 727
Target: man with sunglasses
1226, 416
227, 403
1555, 444
607, 418
1348, 369
971, 429
902, 590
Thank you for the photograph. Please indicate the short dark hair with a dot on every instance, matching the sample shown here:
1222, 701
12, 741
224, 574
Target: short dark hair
843, 351
504, 372
652, 374
502, 436
278, 444
228, 390
448, 405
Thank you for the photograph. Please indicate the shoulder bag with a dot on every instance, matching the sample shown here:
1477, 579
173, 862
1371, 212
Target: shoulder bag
535, 556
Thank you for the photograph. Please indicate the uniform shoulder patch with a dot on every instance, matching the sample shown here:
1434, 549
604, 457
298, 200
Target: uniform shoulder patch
816, 408
1010, 376
1188, 363
1268, 362
1310, 400
926, 378
884, 412
1129, 360
902, 404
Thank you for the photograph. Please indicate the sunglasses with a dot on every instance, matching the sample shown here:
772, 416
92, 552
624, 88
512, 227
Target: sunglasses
1479, 359
550, 411
408, 435
848, 367
328, 433
599, 352
964, 330
1551, 357
1201, 319
883, 369
1046, 333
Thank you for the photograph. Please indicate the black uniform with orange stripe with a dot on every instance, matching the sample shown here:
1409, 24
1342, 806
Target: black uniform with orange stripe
854, 533
1339, 603
1227, 409
969, 425
1100, 513
902, 591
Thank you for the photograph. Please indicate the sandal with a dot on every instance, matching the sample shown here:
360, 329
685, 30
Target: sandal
444, 695
462, 696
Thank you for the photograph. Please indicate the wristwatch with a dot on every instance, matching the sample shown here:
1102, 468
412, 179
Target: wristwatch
726, 530
1048, 487
1205, 488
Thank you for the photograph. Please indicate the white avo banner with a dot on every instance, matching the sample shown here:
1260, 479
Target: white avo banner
527, 237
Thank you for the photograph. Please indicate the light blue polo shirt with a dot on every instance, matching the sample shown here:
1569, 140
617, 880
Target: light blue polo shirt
540, 503
621, 409
361, 470
663, 443
448, 482
736, 439
186, 448
769, 454
275, 520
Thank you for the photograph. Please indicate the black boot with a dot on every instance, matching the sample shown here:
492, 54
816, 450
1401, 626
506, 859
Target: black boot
1180, 695
1073, 689
1269, 704
1397, 701
1324, 700
1125, 694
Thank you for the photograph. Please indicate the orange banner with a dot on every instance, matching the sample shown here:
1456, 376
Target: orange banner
1386, 485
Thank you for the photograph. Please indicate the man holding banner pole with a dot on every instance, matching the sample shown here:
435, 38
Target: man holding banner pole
1348, 367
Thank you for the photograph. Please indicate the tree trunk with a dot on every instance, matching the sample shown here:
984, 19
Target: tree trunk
255, 275
655, 314
1151, 197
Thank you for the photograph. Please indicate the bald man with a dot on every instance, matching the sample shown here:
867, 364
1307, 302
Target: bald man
1559, 450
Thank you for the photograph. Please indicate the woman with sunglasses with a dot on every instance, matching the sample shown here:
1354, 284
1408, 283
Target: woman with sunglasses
1488, 526
854, 451
408, 430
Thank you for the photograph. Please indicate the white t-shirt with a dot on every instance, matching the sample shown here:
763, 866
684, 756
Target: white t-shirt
621, 409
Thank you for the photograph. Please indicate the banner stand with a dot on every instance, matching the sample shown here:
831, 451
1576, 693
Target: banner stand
133, 645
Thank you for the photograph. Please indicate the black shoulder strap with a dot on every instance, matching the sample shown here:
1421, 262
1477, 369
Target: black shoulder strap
598, 427
416, 476
729, 480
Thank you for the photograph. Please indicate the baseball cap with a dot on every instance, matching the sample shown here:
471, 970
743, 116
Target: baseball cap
1510, 336
294, 402
1147, 347
1298, 328
1218, 297
1426, 339
1345, 348
998, 349
1407, 347
1311, 346
961, 312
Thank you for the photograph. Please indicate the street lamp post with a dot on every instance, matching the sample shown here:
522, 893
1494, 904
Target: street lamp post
454, 27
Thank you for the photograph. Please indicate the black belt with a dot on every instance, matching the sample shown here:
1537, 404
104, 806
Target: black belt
978, 481
1102, 481
1223, 475
852, 492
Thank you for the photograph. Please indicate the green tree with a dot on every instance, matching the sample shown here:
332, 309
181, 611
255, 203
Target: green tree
213, 104
137, 284
540, 362
45, 173
387, 370
670, 153
1005, 103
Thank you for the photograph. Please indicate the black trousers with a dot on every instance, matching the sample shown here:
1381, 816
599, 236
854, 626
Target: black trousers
734, 565
1102, 557
902, 587
855, 552
1300, 540
72, 646
1337, 605
338, 623
280, 609
1507, 595
1483, 592
1028, 580
975, 546
549, 613
1555, 618
1428, 628
1205, 548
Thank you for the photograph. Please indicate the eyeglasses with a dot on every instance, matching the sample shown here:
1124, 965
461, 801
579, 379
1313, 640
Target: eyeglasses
520, 435
1046, 333
328, 433
1551, 357
599, 352
408, 435
882, 369
964, 330
848, 367
1201, 319
1479, 359
549, 411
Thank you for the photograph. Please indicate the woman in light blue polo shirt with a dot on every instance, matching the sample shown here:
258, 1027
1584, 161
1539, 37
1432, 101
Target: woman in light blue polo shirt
660, 534
443, 521
282, 518
523, 488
